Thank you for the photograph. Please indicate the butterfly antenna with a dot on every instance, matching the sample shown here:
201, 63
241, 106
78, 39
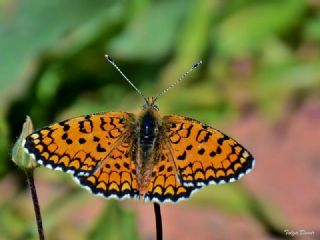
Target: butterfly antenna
194, 66
108, 57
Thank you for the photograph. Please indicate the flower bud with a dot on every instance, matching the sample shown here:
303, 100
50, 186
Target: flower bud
19, 156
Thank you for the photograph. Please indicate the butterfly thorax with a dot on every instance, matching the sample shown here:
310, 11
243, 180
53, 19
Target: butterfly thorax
146, 146
148, 126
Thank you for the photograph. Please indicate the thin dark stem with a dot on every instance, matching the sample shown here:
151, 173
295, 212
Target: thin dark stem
157, 213
36, 205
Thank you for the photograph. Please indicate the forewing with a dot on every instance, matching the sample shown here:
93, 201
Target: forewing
80, 144
204, 155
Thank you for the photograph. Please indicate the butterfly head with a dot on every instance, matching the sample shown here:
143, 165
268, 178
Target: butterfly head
149, 104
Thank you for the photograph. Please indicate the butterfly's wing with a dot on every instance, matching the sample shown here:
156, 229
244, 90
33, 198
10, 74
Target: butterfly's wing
165, 185
94, 148
77, 145
116, 177
204, 155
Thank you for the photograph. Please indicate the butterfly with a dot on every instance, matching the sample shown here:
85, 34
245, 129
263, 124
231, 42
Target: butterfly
144, 156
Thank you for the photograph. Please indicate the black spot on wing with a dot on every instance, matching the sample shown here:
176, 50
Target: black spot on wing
182, 156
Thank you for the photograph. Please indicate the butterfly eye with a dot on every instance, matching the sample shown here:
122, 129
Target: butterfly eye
145, 106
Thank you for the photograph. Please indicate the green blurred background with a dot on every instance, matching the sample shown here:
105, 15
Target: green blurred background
260, 83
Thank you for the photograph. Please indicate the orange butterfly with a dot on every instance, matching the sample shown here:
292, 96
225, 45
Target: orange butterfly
145, 155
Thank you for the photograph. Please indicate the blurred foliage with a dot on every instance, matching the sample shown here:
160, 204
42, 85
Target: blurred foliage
118, 218
260, 56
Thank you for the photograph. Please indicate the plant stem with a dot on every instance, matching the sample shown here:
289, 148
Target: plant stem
157, 213
36, 205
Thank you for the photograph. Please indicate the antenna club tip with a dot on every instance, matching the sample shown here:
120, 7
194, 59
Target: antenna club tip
108, 57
